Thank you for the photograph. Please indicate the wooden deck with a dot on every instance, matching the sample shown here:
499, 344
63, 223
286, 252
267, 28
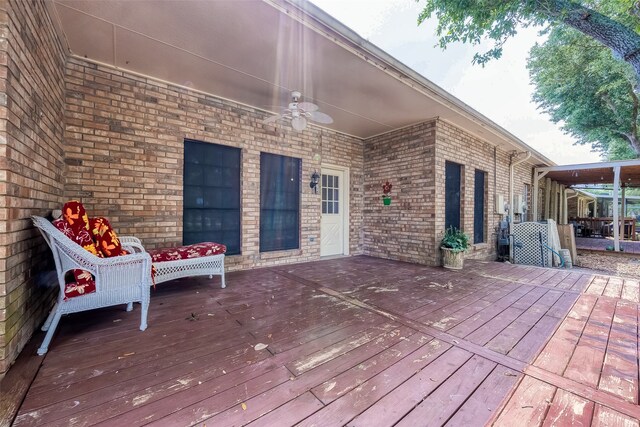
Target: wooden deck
354, 341
601, 244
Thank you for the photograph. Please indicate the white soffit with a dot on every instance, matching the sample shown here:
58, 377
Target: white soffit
256, 52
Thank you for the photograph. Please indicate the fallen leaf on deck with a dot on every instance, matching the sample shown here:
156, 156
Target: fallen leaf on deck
510, 374
260, 346
117, 320
269, 336
210, 314
244, 406
193, 317
526, 406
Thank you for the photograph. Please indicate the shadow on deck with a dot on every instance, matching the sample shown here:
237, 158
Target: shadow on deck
358, 341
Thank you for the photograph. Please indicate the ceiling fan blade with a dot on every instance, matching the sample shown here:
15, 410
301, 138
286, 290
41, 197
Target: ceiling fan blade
271, 119
308, 106
319, 117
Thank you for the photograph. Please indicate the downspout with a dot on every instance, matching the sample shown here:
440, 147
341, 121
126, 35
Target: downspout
512, 165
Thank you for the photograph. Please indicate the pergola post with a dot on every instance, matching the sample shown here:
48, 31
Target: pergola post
565, 206
616, 217
623, 208
547, 198
537, 176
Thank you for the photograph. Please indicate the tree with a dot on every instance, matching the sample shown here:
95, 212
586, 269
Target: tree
580, 84
614, 23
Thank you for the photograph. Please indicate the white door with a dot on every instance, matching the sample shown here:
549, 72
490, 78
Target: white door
333, 213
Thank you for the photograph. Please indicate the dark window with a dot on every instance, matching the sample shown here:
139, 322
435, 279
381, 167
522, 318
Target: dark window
478, 206
279, 202
211, 211
452, 195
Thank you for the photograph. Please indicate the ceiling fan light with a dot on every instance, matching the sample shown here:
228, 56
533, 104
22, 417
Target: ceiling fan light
299, 123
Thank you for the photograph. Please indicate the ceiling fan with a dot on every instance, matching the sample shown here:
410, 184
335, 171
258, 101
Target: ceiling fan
299, 113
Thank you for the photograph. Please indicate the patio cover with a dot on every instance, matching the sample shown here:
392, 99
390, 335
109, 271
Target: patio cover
256, 52
622, 174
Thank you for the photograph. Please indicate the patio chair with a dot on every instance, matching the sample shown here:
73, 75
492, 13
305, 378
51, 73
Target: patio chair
119, 280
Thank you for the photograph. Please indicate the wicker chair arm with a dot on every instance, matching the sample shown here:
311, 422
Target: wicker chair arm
129, 239
133, 247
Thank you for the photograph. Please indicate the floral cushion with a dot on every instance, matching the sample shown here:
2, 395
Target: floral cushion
74, 223
185, 252
105, 238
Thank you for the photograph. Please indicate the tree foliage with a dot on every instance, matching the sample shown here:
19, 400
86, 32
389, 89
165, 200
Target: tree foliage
587, 74
580, 85
614, 23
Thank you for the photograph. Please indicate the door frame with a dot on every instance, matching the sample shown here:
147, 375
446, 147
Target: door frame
345, 203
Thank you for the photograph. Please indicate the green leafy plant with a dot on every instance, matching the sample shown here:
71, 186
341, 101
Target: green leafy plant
455, 240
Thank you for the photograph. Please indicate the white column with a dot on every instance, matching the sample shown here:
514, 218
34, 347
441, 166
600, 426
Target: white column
534, 196
547, 198
565, 206
623, 208
616, 189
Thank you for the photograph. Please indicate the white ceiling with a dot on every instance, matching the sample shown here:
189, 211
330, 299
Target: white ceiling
256, 52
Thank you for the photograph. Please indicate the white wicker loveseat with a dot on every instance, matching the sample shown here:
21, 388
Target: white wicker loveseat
118, 280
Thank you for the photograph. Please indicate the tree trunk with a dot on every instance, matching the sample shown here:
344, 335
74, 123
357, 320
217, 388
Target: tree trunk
623, 41
634, 143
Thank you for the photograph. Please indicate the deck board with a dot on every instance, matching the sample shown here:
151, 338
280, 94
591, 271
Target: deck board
351, 341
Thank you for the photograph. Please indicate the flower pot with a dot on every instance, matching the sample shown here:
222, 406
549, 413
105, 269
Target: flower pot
451, 259
386, 201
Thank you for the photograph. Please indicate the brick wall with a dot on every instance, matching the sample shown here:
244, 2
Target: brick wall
404, 229
413, 160
124, 158
31, 154
454, 144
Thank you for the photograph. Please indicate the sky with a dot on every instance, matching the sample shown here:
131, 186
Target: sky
500, 90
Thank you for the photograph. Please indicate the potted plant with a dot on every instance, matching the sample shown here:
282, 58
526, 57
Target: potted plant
453, 245
386, 197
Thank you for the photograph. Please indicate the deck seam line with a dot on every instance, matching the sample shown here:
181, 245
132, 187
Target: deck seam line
598, 396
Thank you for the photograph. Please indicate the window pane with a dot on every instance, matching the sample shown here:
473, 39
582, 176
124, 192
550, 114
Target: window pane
330, 181
324, 181
279, 202
335, 182
478, 207
324, 207
211, 205
335, 208
335, 194
330, 207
